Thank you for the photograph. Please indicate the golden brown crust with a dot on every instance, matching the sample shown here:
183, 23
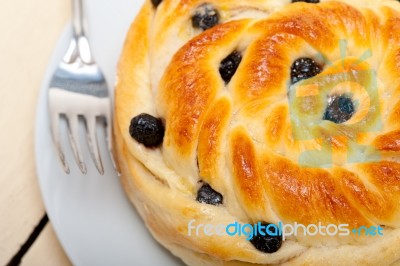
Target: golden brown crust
240, 137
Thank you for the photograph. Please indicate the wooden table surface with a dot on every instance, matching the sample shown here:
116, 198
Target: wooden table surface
29, 30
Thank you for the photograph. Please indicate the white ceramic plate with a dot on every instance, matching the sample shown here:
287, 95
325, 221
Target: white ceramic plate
93, 219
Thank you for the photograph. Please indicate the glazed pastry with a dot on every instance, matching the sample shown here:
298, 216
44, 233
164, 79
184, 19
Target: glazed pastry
269, 112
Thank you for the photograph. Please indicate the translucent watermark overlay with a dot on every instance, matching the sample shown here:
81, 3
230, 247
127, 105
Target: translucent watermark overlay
352, 77
279, 229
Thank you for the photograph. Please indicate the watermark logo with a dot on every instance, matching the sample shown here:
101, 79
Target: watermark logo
308, 99
280, 229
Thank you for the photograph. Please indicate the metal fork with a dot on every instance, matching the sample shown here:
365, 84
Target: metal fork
78, 90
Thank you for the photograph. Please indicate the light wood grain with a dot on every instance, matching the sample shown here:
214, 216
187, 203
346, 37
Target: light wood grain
46, 251
29, 30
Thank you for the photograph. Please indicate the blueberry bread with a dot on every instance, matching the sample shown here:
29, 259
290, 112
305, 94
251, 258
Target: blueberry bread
264, 112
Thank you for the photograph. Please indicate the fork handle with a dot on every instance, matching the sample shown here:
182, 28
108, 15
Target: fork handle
78, 18
79, 46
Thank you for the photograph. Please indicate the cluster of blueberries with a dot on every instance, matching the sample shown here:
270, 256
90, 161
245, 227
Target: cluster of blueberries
149, 130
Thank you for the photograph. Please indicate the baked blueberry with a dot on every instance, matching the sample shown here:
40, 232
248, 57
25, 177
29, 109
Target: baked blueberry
229, 65
208, 195
340, 109
156, 2
304, 68
307, 1
147, 130
270, 242
205, 17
